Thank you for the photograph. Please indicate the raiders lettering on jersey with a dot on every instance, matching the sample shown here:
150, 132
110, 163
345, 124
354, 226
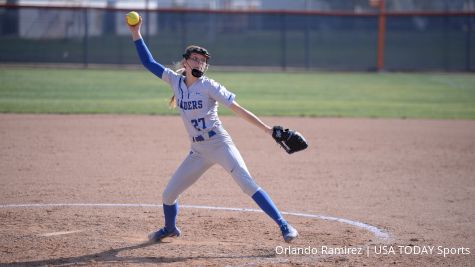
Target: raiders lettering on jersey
190, 105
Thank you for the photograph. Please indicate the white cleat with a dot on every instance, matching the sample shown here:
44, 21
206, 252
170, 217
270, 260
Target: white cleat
160, 234
288, 232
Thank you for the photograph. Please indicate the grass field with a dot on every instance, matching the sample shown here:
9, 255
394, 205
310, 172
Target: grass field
384, 95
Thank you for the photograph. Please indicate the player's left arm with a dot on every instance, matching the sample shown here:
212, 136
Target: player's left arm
250, 117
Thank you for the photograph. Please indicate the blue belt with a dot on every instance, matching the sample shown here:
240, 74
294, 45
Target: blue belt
200, 138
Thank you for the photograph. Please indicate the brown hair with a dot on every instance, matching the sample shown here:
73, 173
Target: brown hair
180, 70
172, 102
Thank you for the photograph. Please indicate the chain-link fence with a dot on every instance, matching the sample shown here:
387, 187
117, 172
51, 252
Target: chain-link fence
308, 39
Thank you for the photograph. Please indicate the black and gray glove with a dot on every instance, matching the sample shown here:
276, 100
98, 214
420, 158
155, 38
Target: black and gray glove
290, 140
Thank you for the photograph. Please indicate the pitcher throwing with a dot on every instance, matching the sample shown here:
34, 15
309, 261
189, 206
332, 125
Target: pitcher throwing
197, 98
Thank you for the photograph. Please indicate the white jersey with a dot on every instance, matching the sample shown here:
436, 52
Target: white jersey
198, 104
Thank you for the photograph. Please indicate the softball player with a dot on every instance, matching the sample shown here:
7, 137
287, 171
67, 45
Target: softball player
197, 98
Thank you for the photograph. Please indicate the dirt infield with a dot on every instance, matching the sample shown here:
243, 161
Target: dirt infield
411, 179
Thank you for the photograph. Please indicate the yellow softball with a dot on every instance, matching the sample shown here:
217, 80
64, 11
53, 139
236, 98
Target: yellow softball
133, 18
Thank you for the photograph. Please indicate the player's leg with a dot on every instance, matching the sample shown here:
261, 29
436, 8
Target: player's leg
229, 157
264, 201
187, 173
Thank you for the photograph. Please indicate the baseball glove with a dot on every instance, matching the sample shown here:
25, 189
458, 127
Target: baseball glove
290, 140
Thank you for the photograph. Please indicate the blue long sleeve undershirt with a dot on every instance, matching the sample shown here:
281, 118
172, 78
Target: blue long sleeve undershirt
147, 59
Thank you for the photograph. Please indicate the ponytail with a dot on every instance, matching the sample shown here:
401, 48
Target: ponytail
172, 102
180, 70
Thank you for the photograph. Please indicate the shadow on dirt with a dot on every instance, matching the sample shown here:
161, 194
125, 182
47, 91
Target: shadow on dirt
110, 257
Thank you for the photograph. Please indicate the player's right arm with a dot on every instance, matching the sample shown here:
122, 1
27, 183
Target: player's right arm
144, 54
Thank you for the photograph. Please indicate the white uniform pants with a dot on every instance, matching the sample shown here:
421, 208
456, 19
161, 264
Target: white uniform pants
219, 149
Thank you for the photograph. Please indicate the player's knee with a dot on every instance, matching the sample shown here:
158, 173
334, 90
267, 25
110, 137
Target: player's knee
244, 180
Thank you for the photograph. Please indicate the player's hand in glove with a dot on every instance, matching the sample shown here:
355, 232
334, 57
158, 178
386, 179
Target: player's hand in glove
290, 140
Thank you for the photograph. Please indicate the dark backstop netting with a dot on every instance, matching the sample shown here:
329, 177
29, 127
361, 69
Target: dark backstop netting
63, 36
97, 36
430, 43
38, 38
271, 40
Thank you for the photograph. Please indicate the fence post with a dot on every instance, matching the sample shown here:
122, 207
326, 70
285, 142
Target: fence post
86, 38
446, 41
468, 44
381, 32
183, 30
307, 42
147, 19
284, 41
10, 24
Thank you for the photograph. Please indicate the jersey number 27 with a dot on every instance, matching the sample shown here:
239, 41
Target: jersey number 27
196, 124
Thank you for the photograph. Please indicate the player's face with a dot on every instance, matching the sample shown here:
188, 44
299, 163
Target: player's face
197, 61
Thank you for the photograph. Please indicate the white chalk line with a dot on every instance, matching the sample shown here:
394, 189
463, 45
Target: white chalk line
379, 233
60, 233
